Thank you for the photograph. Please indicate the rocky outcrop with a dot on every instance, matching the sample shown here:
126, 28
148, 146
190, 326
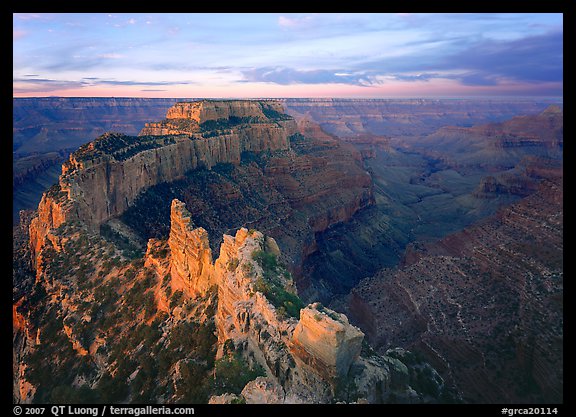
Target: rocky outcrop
293, 195
195, 117
191, 261
494, 146
53, 211
225, 399
325, 341
103, 178
263, 391
204, 110
306, 359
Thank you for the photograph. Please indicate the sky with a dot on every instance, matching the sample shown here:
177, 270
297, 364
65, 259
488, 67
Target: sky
287, 55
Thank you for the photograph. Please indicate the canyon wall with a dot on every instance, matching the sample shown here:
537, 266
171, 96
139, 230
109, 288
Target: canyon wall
102, 179
54, 123
305, 358
484, 305
405, 117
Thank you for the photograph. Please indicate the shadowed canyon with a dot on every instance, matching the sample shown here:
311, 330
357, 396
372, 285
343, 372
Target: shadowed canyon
287, 251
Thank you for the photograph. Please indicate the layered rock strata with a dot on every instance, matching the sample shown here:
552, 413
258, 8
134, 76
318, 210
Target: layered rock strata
304, 359
103, 178
191, 262
484, 305
324, 340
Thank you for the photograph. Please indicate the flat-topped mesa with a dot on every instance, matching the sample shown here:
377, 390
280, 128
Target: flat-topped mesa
105, 176
325, 341
201, 116
204, 110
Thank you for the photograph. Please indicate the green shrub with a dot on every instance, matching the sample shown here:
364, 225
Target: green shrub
176, 298
266, 260
232, 373
233, 264
286, 302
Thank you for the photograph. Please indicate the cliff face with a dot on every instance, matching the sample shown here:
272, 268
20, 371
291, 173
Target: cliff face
53, 211
191, 260
146, 329
103, 178
324, 340
494, 146
484, 305
205, 110
302, 359
400, 117
291, 191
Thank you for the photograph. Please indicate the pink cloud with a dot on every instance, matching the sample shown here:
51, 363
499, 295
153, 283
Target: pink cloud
294, 22
17, 34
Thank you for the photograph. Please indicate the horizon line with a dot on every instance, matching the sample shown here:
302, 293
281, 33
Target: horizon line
307, 98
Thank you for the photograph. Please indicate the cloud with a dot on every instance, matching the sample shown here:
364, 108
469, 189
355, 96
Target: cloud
287, 76
530, 59
42, 85
130, 82
31, 16
417, 77
47, 84
18, 34
111, 56
478, 79
152, 89
294, 22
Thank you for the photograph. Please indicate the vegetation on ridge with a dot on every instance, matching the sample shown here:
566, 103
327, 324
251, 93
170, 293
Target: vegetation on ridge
121, 146
270, 284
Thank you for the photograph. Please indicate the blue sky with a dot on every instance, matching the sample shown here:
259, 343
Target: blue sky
287, 55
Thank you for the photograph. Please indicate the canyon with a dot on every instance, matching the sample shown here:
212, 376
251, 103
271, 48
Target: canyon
483, 304
249, 243
250, 322
45, 126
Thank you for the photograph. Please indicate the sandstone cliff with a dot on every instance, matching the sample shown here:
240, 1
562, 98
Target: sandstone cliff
103, 178
257, 313
191, 257
191, 117
292, 193
324, 340
176, 326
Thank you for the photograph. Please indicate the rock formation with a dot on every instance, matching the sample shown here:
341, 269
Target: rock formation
102, 179
304, 359
122, 328
494, 146
324, 340
188, 117
293, 194
191, 258
402, 117
263, 391
105, 176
